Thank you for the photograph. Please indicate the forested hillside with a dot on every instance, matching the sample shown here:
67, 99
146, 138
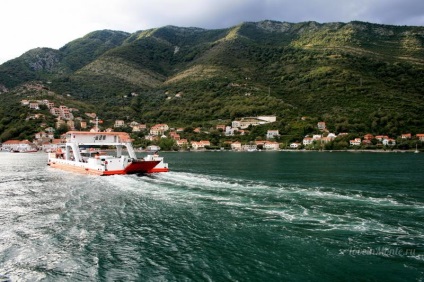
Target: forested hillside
357, 77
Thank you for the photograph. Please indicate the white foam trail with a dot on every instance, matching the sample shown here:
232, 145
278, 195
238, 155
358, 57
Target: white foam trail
278, 202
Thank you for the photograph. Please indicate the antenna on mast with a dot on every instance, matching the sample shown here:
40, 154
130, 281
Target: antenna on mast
97, 124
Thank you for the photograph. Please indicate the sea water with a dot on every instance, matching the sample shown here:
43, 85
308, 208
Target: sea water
217, 216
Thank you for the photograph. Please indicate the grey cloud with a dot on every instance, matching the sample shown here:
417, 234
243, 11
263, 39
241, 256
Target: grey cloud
224, 13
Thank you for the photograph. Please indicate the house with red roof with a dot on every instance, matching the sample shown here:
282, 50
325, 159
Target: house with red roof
200, 144
420, 137
159, 129
18, 145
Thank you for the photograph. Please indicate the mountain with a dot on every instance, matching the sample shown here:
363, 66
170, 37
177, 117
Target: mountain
46, 63
357, 76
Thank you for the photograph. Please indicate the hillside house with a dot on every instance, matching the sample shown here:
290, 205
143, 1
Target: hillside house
174, 135
159, 129
271, 146
236, 146
136, 128
389, 142
182, 142
245, 122
368, 137
230, 131
381, 137
420, 137
249, 147
119, 123
41, 134
307, 141
321, 125
34, 106
406, 136
65, 113
355, 142
270, 134
55, 111
200, 145
220, 126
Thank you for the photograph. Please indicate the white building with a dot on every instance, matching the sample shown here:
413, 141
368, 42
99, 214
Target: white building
245, 122
252, 147
119, 123
389, 142
229, 131
272, 146
307, 141
17, 145
355, 142
159, 129
272, 134
200, 145
236, 146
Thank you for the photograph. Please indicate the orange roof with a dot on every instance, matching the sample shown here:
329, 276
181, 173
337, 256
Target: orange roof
10, 142
57, 141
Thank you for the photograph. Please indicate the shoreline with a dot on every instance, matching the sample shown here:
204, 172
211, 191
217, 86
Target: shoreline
288, 150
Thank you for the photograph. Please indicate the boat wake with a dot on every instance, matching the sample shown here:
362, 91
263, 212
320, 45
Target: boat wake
310, 208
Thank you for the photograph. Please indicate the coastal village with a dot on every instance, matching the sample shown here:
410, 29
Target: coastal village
45, 140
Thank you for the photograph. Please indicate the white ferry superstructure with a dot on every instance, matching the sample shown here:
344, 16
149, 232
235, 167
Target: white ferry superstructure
72, 156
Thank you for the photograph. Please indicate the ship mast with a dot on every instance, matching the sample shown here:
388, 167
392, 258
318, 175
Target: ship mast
97, 124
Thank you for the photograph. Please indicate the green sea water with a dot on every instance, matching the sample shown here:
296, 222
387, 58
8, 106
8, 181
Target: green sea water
217, 216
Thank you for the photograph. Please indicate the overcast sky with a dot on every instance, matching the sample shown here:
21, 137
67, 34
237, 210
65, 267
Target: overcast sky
28, 24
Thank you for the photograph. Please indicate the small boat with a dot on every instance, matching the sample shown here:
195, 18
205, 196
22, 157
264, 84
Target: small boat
416, 149
73, 156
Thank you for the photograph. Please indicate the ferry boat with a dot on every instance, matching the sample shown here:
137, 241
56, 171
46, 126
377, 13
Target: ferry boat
74, 156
